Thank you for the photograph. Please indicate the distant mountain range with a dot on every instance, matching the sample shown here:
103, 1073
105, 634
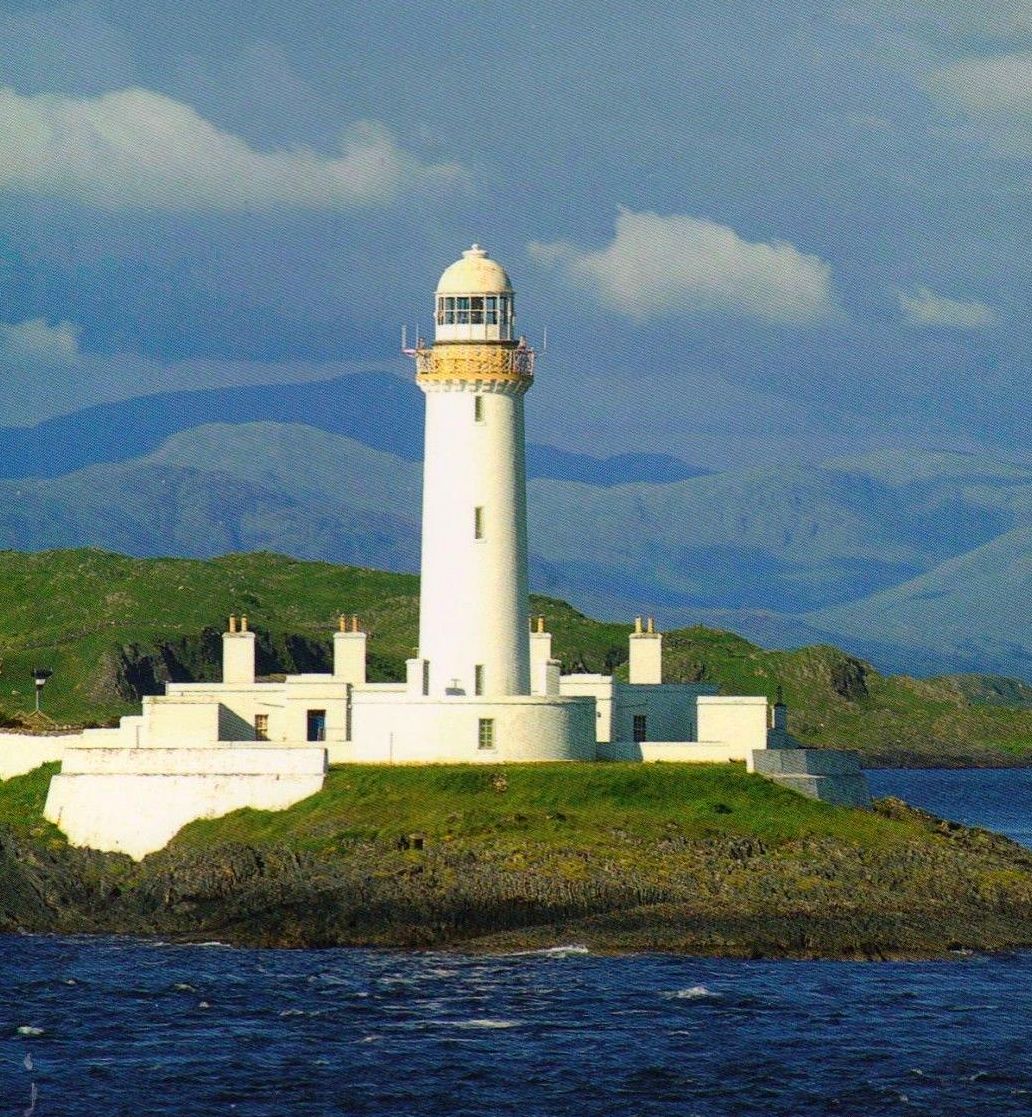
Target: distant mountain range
375, 408
920, 562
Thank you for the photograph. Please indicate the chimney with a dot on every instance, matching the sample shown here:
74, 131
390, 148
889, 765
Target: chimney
646, 653
349, 651
544, 670
238, 654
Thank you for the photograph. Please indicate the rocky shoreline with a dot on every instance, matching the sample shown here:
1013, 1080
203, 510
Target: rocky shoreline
951, 889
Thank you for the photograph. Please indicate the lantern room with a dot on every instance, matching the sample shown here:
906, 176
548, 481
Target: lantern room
474, 300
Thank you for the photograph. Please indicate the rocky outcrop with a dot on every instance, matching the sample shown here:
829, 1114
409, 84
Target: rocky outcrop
138, 669
955, 888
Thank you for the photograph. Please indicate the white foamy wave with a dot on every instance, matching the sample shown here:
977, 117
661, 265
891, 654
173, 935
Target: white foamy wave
552, 951
487, 1023
29, 1030
695, 993
293, 1012
183, 987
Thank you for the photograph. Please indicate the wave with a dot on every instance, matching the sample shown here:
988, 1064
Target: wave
695, 993
552, 951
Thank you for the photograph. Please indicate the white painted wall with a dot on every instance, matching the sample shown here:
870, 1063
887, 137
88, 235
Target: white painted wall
392, 730
741, 721
220, 760
474, 601
21, 753
92, 809
670, 752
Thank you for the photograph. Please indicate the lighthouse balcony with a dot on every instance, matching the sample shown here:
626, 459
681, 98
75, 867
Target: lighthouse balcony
473, 362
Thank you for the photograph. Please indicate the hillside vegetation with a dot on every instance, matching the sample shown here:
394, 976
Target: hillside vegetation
913, 560
702, 859
112, 628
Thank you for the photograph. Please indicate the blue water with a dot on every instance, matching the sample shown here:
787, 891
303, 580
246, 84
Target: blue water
998, 800
101, 1028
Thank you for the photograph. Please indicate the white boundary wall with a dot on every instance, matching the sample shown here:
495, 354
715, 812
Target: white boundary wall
135, 801
21, 752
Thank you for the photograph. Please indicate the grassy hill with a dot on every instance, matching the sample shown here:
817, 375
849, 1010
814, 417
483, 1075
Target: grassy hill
912, 559
112, 627
701, 859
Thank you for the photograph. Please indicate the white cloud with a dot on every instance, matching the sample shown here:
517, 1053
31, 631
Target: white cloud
925, 308
137, 149
656, 265
36, 340
999, 83
993, 95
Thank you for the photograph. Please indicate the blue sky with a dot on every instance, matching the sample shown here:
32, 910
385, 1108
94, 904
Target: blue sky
756, 232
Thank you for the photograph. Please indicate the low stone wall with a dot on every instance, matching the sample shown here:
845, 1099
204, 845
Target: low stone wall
831, 775
680, 752
134, 801
22, 752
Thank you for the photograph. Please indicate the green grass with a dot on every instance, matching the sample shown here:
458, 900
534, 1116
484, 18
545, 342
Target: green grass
558, 806
86, 614
22, 799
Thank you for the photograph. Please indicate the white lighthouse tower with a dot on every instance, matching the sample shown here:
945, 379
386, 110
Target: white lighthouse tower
473, 634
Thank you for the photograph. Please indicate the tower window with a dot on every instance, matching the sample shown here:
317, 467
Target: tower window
478, 409
485, 734
261, 727
478, 679
639, 728
478, 523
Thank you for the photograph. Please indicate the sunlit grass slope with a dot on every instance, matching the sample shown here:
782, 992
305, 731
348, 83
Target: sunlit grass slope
553, 806
112, 627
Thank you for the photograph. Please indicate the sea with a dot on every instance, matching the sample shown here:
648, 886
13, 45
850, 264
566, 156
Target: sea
108, 1027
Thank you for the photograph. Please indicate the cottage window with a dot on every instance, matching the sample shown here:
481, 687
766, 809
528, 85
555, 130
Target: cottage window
485, 734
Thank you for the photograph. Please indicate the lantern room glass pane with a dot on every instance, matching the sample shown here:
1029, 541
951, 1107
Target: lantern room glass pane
462, 310
491, 310
476, 310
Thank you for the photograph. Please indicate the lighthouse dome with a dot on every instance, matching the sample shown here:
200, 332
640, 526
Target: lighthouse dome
474, 300
476, 272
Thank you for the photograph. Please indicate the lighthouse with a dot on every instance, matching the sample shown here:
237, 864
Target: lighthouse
473, 629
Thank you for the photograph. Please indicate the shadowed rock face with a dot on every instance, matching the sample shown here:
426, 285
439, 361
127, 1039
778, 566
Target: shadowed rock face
849, 678
145, 668
817, 897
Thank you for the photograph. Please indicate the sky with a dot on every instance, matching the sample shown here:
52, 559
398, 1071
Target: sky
756, 232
